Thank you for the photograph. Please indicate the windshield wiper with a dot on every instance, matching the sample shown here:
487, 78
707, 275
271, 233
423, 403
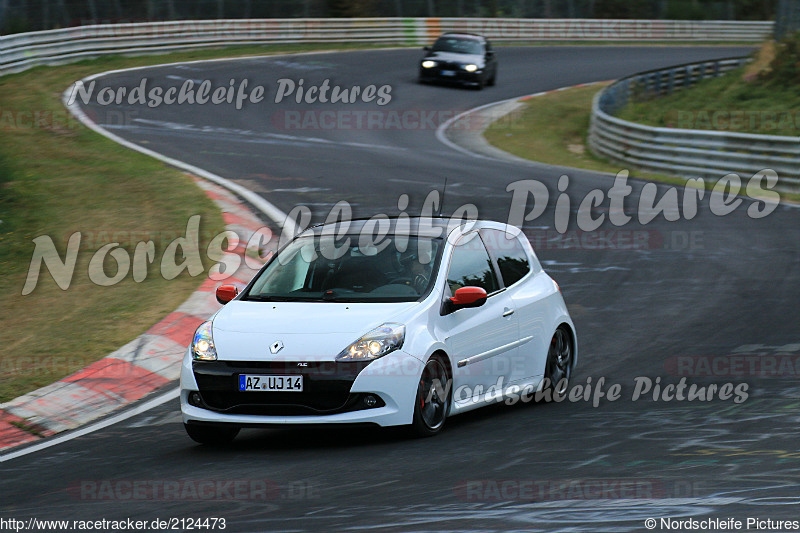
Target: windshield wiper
257, 298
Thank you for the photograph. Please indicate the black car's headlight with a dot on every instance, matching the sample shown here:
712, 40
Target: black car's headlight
470, 67
428, 63
382, 340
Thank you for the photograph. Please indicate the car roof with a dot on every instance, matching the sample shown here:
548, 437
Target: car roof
416, 226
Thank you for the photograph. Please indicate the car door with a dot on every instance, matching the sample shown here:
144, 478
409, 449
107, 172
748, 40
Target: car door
527, 286
480, 340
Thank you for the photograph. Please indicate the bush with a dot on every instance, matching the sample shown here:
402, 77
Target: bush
784, 71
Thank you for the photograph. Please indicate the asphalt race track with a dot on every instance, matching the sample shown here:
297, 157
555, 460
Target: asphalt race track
710, 286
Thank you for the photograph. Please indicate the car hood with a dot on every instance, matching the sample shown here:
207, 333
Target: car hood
244, 331
465, 59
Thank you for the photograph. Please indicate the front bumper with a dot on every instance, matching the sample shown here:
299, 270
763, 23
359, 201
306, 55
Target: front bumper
458, 76
333, 392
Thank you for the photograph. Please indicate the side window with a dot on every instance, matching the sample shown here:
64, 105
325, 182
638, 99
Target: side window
471, 266
510, 254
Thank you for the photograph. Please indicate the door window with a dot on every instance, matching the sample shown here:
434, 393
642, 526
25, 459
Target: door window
512, 260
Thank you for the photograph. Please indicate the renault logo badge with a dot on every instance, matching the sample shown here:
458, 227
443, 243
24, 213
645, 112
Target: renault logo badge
276, 347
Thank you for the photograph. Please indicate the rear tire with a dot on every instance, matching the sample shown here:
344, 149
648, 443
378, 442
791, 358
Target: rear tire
430, 409
213, 435
558, 369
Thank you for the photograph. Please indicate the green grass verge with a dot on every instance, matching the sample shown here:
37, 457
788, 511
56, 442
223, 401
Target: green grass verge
760, 97
727, 103
55, 180
553, 129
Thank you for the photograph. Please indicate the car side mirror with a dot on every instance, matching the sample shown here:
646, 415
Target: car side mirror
490, 53
226, 293
426, 48
465, 297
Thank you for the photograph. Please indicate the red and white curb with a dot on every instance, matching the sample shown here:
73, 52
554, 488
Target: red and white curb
144, 365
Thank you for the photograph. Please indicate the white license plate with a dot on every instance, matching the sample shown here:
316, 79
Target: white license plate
249, 382
447, 72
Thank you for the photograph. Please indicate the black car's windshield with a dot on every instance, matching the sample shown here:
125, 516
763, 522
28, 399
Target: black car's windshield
315, 268
458, 45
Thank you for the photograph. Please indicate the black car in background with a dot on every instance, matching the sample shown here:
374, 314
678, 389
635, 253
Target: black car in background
462, 58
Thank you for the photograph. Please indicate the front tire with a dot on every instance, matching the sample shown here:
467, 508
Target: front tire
212, 435
432, 401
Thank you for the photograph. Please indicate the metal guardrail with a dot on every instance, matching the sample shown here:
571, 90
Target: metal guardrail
685, 152
22, 51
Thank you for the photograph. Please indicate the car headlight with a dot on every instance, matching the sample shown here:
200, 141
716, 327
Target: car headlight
428, 64
470, 68
203, 344
382, 340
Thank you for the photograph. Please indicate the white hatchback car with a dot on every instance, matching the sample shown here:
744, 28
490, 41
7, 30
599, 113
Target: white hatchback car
389, 322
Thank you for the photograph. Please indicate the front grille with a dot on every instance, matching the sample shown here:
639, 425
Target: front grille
326, 388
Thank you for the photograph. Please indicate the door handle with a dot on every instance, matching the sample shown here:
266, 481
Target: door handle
508, 312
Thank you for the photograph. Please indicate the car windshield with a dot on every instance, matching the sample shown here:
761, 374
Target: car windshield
458, 45
317, 268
